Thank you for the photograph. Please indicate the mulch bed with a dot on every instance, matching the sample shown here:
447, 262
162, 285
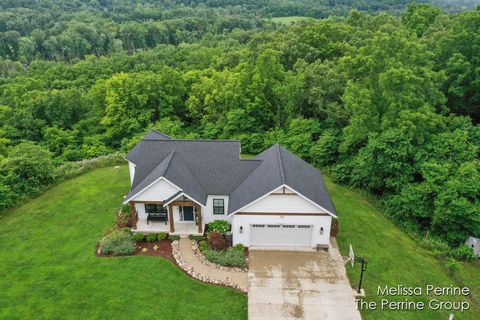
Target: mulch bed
157, 248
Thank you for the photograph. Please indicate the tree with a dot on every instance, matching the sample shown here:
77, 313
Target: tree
27, 168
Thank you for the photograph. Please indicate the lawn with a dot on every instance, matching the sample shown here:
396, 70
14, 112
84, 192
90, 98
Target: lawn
393, 258
48, 269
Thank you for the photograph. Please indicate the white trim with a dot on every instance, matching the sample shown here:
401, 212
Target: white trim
284, 185
258, 199
315, 204
151, 184
183, 194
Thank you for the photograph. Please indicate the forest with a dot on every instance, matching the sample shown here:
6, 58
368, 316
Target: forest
386, 102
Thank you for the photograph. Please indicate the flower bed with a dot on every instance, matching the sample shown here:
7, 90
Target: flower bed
189, 270
205, 261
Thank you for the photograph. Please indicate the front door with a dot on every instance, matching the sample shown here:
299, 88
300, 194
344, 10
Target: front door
187, 213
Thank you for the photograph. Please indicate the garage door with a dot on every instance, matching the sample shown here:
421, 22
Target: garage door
276, 235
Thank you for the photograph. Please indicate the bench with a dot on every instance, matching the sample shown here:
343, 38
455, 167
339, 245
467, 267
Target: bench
162, 216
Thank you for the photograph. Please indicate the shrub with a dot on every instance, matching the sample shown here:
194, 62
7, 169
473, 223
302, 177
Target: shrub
203, 245
453, 266
118, 242
138, 237
73, 169
463, 253
151, 237
216, 240
230, 257
162, 236
196, 238
239, 247
173, 238
434, 244
126, 208
221, 226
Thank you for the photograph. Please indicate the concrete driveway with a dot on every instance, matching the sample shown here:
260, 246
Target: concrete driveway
299, 285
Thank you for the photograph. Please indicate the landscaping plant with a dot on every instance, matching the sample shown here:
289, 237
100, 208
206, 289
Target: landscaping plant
138, 237
221, 226
118, 243
216, 240
151, 237
162, 236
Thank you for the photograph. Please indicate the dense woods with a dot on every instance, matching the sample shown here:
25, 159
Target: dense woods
389, 103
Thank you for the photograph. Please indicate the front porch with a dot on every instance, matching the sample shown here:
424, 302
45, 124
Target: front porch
180, 229
178, 216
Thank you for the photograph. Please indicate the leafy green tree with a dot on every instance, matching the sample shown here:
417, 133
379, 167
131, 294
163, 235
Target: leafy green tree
27, 168
419, 17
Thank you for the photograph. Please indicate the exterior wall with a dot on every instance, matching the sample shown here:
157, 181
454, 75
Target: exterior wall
140, 208
131, 169
207, 211
160, 191
316, 221
176, 215
474, 244
282, 203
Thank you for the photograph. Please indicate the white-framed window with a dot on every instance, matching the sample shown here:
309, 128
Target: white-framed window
218, 206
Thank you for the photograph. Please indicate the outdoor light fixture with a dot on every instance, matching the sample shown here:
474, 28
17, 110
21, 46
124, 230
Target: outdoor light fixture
241, 229
321, 230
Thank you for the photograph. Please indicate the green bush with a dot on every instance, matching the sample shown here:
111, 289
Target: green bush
118, 242
434, 244
126, 208
196, 238
229, 257
138, 237
239, 247
453, 266
221, 226
151, 237
173, 238
463, 253
202, 245
162, 236
73, 169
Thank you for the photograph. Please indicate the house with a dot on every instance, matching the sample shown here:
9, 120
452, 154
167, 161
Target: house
474, 243
272, 200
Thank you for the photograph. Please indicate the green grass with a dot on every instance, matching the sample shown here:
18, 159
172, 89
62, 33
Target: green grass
393, 258
48, 269
287, 20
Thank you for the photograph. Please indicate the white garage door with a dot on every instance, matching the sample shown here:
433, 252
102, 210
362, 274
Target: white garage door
276, 235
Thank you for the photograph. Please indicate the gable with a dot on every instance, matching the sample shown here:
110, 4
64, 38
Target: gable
283, 200
158, 191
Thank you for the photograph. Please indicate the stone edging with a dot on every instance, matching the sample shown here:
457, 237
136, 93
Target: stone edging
204, 260
189, 270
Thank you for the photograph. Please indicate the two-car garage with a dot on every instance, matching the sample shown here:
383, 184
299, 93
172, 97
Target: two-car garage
280, 235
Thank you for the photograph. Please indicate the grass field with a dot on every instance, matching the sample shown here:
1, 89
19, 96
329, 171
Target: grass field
287, 20
48, 269
393, 258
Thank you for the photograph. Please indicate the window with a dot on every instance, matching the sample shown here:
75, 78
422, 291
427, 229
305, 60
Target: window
218, 206
274, 226
155, 208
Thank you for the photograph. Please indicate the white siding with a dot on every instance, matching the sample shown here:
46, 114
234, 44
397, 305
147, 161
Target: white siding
160, 191
208, 215
283, 203
245, 221
131, 169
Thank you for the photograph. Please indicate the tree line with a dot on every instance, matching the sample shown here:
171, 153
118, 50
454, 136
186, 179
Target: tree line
383, 103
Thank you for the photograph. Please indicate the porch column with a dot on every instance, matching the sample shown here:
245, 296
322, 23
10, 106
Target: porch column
199, 218
170, 217
133, 214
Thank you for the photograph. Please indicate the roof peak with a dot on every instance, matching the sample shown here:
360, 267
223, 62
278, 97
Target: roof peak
280, 163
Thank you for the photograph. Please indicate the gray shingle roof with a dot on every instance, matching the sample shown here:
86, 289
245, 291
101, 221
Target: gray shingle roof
279, 166
203, 167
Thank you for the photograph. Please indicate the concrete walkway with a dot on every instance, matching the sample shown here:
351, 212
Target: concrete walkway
239, 278
299, 285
